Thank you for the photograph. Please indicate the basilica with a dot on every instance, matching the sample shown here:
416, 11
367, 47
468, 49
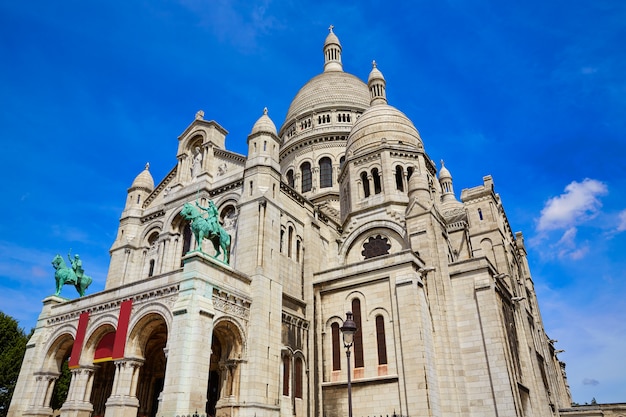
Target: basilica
339, 210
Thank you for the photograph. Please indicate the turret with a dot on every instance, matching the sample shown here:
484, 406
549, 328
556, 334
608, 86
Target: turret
140, 189
332, 52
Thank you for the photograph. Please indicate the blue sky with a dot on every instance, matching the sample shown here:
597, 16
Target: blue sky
533, 93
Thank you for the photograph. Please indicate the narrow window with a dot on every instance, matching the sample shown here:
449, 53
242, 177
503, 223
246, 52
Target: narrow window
326, 173
298, 378
358, 336
380, 339
297, 250
251, 186
342, 160
138, 198
186, 240
480, 214
305, 169
376, 177
289, 241
151, 271
282, 240
399, 178
290, 179
264, 145
336, 347
366, 184
286, 375
409, 172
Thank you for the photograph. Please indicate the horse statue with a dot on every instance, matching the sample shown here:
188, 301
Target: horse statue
208, 228
74, 276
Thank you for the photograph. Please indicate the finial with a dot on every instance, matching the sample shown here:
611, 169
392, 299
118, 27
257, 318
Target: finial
330, 28
147, 165
265, 111
373, 64
442, 163
200, 115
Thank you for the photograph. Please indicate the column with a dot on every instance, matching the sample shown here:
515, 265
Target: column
123, 401
44, 385
79, 393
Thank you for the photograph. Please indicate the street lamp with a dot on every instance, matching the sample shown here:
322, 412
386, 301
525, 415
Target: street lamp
348, 330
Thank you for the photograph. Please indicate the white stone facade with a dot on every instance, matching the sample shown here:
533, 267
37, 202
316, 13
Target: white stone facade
339, 210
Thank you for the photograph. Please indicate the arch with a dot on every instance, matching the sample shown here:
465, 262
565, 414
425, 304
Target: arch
146, 325
306, 177
291, 181
399, 173
59, 347
326, 172
394, 231
366, 184
377, 181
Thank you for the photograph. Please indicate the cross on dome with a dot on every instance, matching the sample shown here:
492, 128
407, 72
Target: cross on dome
330, 28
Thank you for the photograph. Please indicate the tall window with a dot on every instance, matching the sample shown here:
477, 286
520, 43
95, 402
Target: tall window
187, 234
342, 161
326, 173
399, 178
336, 347
366, 184
380, 340
358, 336
289, 241
151, 271
376, 178
290, 179
286, 361
298, 378
305, 170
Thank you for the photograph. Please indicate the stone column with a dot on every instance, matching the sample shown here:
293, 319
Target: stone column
44, 385
79, 393
123, 401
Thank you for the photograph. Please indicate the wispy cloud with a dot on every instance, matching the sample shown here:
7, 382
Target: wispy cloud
622, 221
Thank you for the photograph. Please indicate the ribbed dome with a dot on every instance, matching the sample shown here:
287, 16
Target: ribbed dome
331, 39
144, 180
332, 89
264, 124
382, 122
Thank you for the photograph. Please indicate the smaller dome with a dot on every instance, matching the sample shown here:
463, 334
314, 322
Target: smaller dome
444, 173
380, 125
144, 180
264, 124
331, 39
375, 74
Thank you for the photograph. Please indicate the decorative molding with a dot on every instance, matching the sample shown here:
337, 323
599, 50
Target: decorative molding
231, 304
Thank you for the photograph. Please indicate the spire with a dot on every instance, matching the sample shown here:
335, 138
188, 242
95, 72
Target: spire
332, 52
376, 83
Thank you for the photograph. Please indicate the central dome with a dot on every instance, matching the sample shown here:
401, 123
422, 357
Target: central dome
333, 89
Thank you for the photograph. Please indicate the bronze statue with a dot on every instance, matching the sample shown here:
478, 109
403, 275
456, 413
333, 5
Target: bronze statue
74, 275
208, 228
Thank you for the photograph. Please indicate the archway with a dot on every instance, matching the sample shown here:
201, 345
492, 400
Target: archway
152, 373
101, 345
226, 356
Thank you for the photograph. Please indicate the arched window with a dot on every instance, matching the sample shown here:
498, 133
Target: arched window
286, 374
380, 340
282, 240
399, 178
326, 173
305, 170
187, 235
297, 250
366, 184
376, 178
298, 378
289, 241
358, 336
290, 179
342, 160
336, 347
409, 172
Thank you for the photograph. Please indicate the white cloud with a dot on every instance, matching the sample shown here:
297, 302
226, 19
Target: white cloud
576, 205
622, 221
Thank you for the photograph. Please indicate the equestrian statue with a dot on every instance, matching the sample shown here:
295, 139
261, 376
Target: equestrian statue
207, 228
74, 275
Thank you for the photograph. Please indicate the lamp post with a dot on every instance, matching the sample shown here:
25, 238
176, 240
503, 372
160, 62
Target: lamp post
348, 330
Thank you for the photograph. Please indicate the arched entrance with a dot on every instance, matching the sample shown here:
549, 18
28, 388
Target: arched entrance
148, 340
226, 357
101, 344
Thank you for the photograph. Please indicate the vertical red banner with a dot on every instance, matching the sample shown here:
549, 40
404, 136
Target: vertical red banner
122, 329
79, 340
